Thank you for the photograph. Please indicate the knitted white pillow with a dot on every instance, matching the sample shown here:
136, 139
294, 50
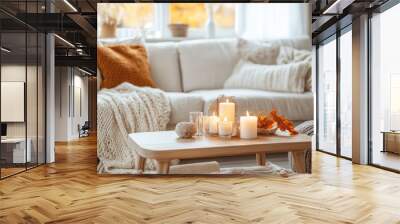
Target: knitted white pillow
289, 55
284, 78
258, 52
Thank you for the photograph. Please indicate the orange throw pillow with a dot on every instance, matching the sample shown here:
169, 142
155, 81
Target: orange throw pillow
124, 63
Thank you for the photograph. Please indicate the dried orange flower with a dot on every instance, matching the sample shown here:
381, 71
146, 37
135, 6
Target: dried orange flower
283, 123
265, 122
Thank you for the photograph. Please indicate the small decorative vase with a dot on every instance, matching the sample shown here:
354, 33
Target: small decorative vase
178, 30
210, 25
185, 129
108, 30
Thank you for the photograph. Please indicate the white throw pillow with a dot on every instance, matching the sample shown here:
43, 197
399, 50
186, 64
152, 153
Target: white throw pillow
258, 52
284, 78
289, 55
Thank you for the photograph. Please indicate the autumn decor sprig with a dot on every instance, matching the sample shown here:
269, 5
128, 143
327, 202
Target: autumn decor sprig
283, 123
268, 121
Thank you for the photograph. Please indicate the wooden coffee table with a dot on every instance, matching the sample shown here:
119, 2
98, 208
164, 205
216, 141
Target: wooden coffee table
164, 146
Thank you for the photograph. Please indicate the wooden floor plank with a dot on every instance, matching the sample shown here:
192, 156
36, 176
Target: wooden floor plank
70, 191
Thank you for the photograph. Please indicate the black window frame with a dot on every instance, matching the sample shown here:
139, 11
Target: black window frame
333, 33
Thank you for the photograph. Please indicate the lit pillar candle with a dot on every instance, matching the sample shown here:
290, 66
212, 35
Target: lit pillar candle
225, 128
213, 124
226, 109
248, 126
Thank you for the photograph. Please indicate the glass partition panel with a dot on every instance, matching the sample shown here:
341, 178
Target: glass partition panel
41, 85
385, 89
22, 78
14, 153
346, 94
327, 97
32, 98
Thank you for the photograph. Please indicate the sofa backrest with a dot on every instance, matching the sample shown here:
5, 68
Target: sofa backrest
199, 64
164, 66
206, 64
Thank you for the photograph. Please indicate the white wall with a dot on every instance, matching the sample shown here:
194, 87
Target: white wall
14, 73
34, 126
79, 117
17, 73
62, 81
69, 82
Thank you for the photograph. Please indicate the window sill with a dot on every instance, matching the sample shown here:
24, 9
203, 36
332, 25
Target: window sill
165, 39
172, 39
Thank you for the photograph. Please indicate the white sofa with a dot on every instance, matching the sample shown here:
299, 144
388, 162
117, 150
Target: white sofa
193, 73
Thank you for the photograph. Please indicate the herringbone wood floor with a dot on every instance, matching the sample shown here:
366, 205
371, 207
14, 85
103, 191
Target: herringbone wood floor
70, 191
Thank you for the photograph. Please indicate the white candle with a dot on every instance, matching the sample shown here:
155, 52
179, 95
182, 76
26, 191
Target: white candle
248, 126
205, 124
227, 109
213, 124
225, 127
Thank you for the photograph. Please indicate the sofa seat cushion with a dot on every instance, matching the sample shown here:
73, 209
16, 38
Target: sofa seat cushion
182, 104
294, 106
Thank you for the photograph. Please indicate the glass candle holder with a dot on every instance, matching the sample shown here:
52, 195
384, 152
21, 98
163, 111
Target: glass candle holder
213, 125
206, 125
225, 128
197, 119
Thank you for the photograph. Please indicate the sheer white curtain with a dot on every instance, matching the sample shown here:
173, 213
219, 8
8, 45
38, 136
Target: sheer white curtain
275, 20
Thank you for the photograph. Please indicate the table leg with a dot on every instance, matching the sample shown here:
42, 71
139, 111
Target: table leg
261, 158
140, 162
301, 161
163, 167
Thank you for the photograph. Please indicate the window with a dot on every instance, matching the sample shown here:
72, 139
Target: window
335, 105
385, 86
193, 14
394, 101
224, 15
137, 15
327, 97
253, 21
153, 19
127, 15
346, 94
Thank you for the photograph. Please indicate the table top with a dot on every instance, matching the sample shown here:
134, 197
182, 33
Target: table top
391, 132
13, 140
166, 144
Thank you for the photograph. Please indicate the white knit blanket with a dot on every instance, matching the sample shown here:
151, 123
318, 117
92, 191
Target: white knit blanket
122, 110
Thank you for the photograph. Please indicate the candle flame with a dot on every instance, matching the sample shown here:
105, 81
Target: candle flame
225, 119
247, 113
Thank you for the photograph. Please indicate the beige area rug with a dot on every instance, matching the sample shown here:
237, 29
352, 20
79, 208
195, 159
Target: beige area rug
213, 168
